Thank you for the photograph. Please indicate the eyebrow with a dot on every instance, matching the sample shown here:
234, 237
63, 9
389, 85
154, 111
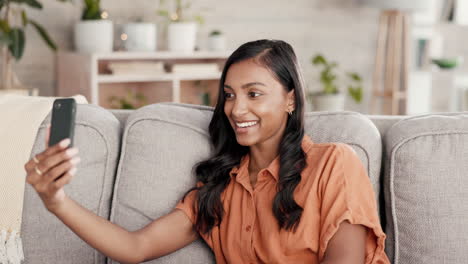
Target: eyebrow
247, 85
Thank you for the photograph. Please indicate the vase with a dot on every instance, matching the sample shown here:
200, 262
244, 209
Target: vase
140, 36
94, 36
327, 102
182, 36
217, 43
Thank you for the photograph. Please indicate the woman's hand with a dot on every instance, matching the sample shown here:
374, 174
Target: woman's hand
44, 171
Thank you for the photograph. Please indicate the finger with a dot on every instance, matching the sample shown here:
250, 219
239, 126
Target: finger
65, 179
53, 149
47, 134
28, 166
58, 158
61, 169
32, 178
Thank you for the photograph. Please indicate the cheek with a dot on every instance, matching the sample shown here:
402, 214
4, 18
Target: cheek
227, 109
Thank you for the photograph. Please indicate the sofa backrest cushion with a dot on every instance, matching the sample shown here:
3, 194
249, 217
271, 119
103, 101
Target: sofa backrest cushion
160, 145
162, 142
426, 189
45, 238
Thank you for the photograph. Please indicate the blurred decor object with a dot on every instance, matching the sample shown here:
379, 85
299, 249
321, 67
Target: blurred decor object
330, 98
13, 24
182, 36
196, 68
133, 100
94, 33
205, 96
216, 41
136, 68
391, 62
447, 63
23, 92
139, 36
182, 29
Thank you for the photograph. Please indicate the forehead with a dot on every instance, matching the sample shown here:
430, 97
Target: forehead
248, 71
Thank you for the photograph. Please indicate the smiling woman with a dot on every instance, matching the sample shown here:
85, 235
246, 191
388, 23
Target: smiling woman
269, 194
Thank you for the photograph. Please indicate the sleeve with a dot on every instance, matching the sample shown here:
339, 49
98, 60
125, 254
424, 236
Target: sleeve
187, 204
346, 194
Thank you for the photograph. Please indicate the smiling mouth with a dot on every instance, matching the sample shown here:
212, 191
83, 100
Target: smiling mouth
246, 124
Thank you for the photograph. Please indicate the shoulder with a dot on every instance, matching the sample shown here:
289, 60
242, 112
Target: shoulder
331, 162
320, 152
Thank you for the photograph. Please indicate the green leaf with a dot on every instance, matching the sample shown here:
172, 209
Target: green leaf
31, 3
16, 46
355, 77
199, 19
34, 3
163, 13
92, 10
355, 93
45, 36
319, 59
4, 26
24, 18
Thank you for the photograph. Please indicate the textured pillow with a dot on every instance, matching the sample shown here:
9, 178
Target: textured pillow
162, 142
45, 238
426, 189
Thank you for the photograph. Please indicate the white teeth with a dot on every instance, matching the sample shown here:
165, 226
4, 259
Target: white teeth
246, 124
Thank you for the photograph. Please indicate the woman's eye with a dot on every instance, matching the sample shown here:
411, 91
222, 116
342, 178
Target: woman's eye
254, 94
228, 95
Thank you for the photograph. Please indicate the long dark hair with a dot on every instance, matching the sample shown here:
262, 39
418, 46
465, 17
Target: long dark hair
279, 57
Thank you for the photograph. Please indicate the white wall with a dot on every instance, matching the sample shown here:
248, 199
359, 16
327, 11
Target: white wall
340, 29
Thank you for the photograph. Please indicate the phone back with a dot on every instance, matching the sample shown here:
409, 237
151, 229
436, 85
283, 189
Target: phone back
63, 120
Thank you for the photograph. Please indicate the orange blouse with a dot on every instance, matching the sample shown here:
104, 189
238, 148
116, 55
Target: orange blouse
334, 188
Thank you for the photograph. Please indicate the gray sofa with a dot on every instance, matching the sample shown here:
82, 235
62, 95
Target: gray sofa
136, 165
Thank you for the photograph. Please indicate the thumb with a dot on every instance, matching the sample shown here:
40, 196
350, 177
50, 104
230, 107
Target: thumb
47, 135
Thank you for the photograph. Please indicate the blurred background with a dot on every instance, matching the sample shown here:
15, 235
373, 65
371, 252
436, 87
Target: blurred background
336, 41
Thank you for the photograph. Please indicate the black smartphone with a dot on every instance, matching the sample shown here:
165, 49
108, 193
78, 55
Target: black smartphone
63, 121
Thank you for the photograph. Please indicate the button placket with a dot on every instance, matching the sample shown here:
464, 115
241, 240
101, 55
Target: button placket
249, 228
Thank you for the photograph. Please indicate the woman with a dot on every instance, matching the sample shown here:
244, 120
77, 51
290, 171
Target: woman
268, 195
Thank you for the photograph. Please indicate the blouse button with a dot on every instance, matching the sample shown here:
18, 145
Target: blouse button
248, 228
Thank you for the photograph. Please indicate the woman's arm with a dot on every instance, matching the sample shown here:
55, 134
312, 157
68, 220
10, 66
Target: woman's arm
160, 237
348, 245
49, 171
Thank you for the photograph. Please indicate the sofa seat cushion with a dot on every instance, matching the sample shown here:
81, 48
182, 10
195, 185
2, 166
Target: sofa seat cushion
426, 189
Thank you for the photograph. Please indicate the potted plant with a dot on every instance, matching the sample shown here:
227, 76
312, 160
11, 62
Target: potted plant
94, 33
330, 97
13, 23
139, 36
133, 100
182, 28
216, 41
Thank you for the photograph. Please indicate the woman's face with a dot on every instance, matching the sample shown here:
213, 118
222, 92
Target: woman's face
256, 104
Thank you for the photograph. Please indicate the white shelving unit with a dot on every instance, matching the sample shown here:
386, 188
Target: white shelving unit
87, 73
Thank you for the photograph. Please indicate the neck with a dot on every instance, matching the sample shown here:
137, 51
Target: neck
260, 158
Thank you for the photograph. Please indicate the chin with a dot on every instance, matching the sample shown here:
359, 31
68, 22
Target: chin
246, 141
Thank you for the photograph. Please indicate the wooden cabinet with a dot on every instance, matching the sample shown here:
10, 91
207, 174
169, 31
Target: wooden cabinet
89, 75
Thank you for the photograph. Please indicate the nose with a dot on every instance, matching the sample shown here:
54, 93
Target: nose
240, 107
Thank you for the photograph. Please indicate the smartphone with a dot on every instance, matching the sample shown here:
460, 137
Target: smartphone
63, 121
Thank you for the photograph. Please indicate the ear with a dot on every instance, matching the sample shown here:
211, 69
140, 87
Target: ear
291, 101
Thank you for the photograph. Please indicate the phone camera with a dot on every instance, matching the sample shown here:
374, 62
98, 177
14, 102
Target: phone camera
58, 105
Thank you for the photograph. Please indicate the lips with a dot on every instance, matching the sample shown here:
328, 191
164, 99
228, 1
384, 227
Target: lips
242, 127
246, 124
